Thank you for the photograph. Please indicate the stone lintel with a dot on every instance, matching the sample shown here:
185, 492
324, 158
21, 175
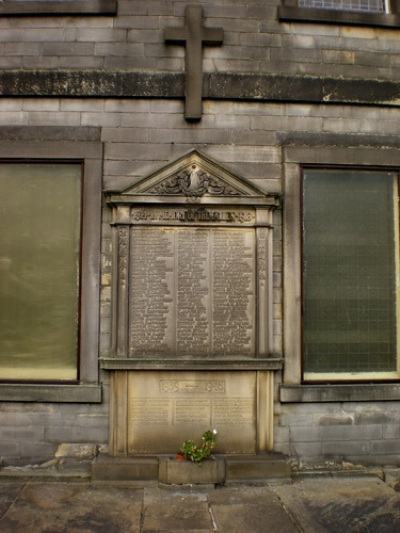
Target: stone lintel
221, 86
113, 363
272, 200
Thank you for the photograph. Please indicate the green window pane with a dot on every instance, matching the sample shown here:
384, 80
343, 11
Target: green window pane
350, 271
39, 264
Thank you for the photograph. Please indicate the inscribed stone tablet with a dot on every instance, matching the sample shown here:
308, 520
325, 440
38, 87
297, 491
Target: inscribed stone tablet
166, 408
192, 292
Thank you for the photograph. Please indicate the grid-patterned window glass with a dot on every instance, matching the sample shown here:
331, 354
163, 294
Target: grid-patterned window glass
350, 273
368, 6
39, 261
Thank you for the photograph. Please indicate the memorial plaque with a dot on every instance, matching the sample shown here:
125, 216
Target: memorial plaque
192, 291
192, 331
164, 410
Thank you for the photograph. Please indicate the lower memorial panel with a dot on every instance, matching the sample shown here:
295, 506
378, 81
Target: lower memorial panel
166, 408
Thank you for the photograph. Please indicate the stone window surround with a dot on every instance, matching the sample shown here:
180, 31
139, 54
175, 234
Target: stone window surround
292, 389
289, 11
90, 154
21, 8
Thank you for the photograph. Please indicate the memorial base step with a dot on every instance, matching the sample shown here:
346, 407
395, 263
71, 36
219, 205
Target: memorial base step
165, 469
141, 468
250, 468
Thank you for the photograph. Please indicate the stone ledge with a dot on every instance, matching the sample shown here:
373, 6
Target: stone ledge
10, 392
339, 473
79, 8
355, 392
220, 86
112, 363
45, 475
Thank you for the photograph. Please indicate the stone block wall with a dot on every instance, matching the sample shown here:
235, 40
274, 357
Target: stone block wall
247, 135
37, 433
339, 434
255, 41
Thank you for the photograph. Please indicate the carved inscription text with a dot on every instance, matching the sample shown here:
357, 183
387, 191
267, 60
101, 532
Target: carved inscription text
192, 291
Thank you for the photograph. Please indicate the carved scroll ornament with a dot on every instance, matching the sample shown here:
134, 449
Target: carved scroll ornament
194, 182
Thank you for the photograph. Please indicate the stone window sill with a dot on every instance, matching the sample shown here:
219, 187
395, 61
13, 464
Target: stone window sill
21, 8
69, 393
333, 16
360, 392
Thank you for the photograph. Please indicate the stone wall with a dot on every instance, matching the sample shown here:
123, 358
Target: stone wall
247, 135
339, 434
255, 41
36, 433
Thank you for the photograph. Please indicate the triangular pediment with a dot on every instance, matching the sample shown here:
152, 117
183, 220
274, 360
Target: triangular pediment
193, 175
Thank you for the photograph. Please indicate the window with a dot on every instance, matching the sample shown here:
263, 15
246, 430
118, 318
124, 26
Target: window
40, 227
50, 219
368, 6
381, 13
350, 274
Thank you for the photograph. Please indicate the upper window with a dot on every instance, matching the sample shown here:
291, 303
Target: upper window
382, 13
40, 227
350, 274
368, 6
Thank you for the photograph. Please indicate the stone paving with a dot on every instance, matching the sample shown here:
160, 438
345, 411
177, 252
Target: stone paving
323, 504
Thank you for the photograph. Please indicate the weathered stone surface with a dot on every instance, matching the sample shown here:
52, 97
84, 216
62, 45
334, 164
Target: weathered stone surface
73, 508
134, 84
268, 467
76, 450
250, 510
175, 406
46, 133
335, 139
8, 494
341, 504
178, 472
313, 505
91, 83
266, 87
125, 469
175, 511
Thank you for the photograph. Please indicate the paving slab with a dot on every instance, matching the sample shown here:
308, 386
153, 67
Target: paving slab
8, 494
170, 511
359, 505
312, 505
249, 510
72, 508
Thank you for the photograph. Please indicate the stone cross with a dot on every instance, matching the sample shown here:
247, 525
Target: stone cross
194, 35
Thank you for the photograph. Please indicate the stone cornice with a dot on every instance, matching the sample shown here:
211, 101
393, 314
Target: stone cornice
221, 86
